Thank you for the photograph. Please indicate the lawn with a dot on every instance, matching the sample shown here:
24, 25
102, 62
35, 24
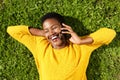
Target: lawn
84, 16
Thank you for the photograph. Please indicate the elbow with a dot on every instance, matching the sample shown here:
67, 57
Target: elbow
109, 32
9, 30
114, 33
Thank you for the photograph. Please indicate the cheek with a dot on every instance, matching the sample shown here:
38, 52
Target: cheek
46, 35
58, 30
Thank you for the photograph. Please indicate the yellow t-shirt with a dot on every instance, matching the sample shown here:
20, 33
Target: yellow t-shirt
69, 63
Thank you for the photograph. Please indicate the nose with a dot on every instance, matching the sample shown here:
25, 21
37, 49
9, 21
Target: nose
51, 32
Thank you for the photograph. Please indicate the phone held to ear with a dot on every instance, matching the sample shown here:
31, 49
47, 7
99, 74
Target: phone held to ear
67, 36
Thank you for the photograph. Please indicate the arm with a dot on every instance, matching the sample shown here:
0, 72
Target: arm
86, 40
103, 36
23, 35
36, 32
100, 37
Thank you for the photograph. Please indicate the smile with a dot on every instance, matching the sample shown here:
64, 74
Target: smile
54, 37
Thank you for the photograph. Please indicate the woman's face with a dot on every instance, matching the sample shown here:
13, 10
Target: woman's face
52, 29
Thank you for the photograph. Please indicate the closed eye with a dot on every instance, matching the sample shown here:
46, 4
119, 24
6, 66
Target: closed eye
46, 31
55, 27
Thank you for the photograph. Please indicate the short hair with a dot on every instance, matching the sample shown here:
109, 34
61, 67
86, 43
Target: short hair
53, 15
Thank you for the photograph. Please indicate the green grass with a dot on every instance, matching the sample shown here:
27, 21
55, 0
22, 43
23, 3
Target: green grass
85, 16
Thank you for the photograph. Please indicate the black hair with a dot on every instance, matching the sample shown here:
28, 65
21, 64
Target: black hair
53, 15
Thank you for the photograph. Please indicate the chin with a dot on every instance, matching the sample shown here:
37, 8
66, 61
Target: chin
57, 44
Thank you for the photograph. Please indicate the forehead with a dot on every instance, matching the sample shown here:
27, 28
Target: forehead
50, 22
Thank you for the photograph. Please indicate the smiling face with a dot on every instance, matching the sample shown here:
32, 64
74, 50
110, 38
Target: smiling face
53, 34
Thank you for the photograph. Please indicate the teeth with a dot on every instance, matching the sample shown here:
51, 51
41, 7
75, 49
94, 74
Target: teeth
54, 37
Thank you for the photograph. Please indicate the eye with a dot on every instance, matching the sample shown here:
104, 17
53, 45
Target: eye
55, 27
46, 31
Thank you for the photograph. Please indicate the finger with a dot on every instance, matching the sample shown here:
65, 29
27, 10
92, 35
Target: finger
64, 28
67, 29
65, 32
66, 25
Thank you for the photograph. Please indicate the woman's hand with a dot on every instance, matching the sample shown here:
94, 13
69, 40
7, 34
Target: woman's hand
74, 37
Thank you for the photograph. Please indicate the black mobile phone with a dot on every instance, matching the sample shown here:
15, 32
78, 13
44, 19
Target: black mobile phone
67, 36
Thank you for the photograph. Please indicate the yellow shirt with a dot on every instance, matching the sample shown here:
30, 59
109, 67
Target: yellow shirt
69, 63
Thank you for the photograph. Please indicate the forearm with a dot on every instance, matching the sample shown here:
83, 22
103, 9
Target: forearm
36, 32
79, 40
86, 40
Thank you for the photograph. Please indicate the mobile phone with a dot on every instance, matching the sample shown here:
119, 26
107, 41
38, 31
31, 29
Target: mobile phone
67, 36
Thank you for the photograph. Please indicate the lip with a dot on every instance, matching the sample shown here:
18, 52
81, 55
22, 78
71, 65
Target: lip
52, 37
